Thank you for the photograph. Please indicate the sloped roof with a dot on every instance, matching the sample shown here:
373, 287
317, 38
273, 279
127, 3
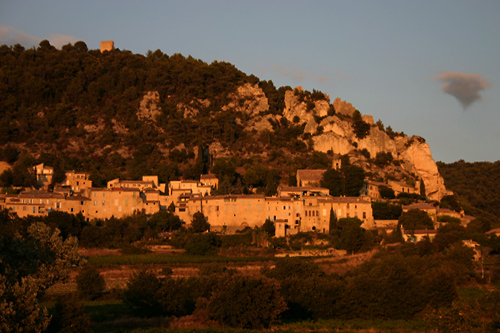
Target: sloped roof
306, 174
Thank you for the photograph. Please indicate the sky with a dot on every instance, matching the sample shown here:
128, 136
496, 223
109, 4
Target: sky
428, 68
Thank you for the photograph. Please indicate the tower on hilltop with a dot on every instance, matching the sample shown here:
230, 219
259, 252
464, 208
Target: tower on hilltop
107, 45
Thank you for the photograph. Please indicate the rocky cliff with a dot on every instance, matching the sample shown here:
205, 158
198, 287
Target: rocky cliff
334, 132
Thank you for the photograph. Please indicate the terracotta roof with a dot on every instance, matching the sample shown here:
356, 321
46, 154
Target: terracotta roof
78, 198
306, 174
40, 194
494, 231
420, 205
344, 200
208, 176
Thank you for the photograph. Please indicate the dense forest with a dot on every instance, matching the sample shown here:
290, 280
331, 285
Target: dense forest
76, 108
476, 187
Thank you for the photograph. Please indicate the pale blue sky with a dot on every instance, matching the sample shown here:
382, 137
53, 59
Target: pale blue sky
382, 56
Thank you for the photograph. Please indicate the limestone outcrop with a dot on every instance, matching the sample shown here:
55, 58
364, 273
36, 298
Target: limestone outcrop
249, 99
148, 108
418, 155
336, 133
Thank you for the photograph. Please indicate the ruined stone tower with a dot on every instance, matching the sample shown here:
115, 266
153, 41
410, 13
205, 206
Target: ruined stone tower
107, 45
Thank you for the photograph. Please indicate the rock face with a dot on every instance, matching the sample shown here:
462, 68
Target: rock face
337, 135
294, 107
342, 107
249, 99
148, 108
418, 154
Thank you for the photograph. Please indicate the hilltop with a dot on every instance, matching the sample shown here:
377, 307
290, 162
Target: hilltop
119, 114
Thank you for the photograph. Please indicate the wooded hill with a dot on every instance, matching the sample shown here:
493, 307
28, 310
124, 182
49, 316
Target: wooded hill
51, 96
476, 186
76, 108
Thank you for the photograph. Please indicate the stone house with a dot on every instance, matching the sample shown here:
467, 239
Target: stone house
77, 181
44, 174
307, 177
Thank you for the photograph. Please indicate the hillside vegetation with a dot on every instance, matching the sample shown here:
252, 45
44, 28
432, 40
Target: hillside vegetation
476, 186
119, 114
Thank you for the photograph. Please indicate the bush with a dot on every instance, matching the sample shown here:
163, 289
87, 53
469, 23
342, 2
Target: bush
140, 294
69, 316
203, 244
246, 302
199, 223
386, 192
177, 297
90, 283
415, 219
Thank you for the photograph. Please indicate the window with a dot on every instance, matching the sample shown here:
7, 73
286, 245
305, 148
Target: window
364, 215
103, 202
95, 202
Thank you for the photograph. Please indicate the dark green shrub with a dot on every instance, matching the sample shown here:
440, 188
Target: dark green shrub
246, 302
177, 297
69, 316
386, 192
203, 244
90, 283
199, 223
140, 294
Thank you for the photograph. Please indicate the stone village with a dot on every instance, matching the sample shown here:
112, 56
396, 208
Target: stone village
294, 209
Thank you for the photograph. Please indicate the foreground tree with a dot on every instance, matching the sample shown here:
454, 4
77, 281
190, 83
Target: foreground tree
32, 258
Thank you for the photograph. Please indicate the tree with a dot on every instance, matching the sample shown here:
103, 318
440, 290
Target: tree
32, 258
69, 316
386, 192
246, 302
140, 294
164, 220
269, 227
90, 283
352, 236
415, 219
386, 211
199, 223
347, 181
333, 222
449, 234
332, 180
203, 243
361, 128
422, 188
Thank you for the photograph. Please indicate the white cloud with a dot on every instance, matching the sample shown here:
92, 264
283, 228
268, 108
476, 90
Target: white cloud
11, 36
58, 40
